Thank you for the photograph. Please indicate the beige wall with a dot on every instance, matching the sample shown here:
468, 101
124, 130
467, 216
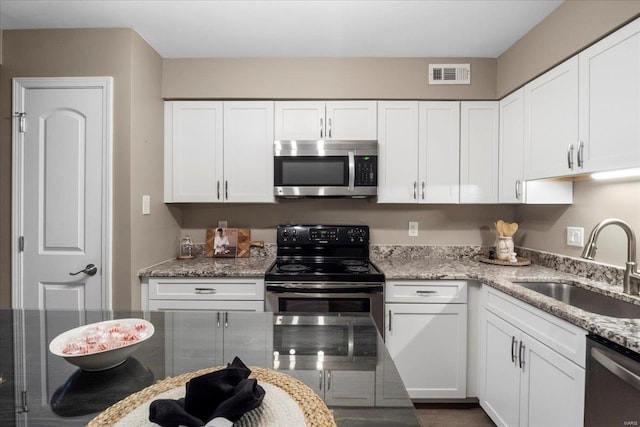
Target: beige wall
544, 227
154, 237
96, 52
574, 25
322, 78
438, 224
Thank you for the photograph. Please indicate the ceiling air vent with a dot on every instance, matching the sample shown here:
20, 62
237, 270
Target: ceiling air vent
449, 74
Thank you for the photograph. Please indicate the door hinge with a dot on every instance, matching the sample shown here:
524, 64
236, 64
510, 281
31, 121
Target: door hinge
24, 407
21, 244
22, 121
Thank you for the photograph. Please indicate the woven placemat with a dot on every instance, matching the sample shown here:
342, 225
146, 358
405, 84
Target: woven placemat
315, 411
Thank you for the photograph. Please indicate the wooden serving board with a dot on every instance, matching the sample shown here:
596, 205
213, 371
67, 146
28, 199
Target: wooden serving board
245, 243
521, 261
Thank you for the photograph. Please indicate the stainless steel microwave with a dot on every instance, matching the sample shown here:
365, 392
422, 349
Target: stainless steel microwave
325, 168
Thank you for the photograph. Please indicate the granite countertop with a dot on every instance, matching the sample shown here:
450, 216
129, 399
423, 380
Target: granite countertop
210, 267
625, 332
459, 262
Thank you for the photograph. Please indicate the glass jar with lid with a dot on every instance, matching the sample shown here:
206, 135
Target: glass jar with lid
186, 248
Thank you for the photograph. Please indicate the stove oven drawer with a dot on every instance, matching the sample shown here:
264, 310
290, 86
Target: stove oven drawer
426, 291
206, 289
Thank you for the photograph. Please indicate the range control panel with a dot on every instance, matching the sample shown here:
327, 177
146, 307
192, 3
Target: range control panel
323, 235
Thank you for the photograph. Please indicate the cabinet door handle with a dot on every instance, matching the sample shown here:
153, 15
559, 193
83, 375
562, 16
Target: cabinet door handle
521, 356
320, 380
517, 189
415, 190
329, 123
389, 320
226, 190
226, 319
321, 127
205, 290
328, 380
513, 349
570, 156
581, 155
218, 320
218, 189
422, 190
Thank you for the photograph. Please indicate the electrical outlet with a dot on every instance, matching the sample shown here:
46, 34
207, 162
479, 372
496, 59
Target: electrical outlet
146, 205
413, 228
222, 224
575, 236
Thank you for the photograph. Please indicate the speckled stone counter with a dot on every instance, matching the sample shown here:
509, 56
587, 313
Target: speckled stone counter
458, 262
210, 267
403, 264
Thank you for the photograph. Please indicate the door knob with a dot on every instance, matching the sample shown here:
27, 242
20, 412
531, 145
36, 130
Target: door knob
90, 270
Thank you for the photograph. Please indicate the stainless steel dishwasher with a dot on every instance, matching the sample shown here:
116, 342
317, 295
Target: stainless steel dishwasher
612, 386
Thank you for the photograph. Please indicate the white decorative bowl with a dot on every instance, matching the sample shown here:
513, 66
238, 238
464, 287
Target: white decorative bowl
101, 359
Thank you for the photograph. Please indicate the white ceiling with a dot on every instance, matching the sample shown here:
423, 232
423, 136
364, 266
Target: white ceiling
297, 28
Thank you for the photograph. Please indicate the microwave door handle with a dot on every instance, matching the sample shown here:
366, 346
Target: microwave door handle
352, 171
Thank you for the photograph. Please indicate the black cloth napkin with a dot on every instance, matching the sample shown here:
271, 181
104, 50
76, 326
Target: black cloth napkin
227, 393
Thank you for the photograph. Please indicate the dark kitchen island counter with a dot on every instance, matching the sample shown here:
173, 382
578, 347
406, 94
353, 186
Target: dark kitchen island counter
350, 368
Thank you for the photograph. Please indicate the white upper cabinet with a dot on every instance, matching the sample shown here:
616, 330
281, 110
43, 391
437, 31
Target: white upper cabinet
510, 173
248, 151
610, 102
333, 120
418, 152
479, 152
511, 185
551, 123
218, 152
398, 151
439, 152
192, 151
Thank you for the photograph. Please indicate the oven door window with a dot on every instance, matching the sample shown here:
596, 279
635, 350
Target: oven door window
311, 171
307, 340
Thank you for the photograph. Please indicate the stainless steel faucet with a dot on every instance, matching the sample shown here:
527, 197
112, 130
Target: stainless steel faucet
631, 281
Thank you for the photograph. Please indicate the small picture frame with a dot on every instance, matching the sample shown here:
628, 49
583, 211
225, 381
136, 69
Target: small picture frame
222, 242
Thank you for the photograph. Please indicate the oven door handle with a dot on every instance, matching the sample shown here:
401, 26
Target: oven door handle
616, 368
323, 287
320, 294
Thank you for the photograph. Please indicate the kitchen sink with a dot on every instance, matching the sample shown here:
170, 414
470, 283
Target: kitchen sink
584, 299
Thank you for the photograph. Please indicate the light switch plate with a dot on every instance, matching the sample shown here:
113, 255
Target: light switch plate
413, 228
575, 236
146, 204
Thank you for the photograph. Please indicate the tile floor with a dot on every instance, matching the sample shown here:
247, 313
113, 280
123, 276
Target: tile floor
452, 415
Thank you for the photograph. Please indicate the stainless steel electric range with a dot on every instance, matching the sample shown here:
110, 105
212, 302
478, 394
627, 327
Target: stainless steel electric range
325, 269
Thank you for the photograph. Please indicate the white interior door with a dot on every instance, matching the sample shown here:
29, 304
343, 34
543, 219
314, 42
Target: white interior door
61, 193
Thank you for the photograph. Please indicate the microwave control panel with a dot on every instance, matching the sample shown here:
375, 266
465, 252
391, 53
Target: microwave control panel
366, 171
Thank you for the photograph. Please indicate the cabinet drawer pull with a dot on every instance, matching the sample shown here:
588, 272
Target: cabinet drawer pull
205, 290
329, 123
389, 320
570, 156
321, 127
426, 293
226, 319
581, 155
513, 349
518, 189
521, 356
218, 320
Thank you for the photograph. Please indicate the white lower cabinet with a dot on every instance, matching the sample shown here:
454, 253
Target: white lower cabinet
338, 387
200, 340
426, 336
523, 381
211, 293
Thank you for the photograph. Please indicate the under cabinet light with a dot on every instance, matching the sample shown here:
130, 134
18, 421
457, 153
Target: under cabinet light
623, 173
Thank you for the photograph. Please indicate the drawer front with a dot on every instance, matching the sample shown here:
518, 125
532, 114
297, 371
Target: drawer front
206, 289
426, 291
226, 306
558, 334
